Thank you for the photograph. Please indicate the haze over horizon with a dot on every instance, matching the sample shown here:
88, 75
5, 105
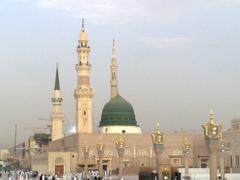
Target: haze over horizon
176, 60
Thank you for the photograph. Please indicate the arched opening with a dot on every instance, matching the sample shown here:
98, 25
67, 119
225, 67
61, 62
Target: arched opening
59, 166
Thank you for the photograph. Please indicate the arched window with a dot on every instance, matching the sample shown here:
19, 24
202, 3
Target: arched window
59, 161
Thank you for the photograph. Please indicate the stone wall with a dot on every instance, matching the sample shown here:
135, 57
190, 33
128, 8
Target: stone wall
139, 151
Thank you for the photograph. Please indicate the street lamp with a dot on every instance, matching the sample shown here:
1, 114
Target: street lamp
222, 149
212, 132
100, 152
186, 153
157, 140
85, 155
120, 145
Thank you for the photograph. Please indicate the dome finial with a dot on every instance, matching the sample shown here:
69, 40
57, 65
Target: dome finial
157, 137
211, 111
158, 127
158, 124
211, 117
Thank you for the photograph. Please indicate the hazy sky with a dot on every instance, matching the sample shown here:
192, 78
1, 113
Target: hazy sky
177, 59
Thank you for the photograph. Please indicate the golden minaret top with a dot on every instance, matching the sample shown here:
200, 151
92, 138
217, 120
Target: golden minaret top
212, 121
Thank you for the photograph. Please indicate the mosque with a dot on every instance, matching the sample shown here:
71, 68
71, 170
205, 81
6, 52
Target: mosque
66, 153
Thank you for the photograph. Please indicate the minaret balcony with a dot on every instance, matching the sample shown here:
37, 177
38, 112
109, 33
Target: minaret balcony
83, 92
57, 100
83, 67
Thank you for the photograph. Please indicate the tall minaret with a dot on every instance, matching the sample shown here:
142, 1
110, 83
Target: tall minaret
57, 115
83, 93
114, 68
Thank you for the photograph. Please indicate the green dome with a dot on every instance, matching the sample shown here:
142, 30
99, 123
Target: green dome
118, 112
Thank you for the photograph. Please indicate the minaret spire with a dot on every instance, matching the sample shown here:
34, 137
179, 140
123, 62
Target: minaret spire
114, 68
113, 51
57, 115
82, 23
57, 84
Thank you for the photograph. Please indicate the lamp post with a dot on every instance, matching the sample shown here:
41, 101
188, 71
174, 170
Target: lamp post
222, 149
157, 139
186, 152
85, 155
100, 152
120, 145
212, 132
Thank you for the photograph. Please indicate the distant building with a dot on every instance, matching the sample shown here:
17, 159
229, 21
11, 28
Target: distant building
35, 144
232, 138
4, 154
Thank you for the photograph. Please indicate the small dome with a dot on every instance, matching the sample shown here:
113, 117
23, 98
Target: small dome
118, 112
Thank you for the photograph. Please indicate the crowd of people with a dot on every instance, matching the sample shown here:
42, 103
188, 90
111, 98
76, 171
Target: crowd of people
18, 175
34, 175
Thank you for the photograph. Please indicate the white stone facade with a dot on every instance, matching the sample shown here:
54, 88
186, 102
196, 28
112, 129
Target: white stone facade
68, 152
120, 129
232, 156
83, 93
57, 117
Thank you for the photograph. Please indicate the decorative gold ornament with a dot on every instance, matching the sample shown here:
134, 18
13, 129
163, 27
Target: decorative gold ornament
120, 142
100, 147
186, 147
211, 128
222, 147
157, 137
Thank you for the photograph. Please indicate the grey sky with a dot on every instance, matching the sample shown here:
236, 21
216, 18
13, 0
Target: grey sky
176, 60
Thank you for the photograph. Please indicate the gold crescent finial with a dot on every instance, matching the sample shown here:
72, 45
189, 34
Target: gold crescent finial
157, 137
211, 117
158, 128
